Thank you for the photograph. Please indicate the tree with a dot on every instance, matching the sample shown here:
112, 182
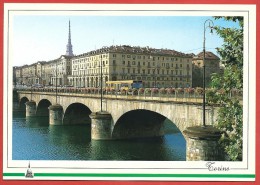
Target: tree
230, 114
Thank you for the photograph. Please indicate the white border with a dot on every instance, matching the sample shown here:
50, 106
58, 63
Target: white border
164, 167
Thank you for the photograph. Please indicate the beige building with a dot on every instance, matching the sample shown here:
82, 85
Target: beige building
44, 73
28, 74
17, 75
155, 67
59, 70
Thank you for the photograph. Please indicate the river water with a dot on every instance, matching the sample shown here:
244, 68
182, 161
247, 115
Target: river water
35, 139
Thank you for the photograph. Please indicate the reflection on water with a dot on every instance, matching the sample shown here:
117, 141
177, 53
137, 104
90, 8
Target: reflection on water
34, 139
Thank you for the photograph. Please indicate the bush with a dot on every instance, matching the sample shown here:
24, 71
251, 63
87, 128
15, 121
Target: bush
189, 90
154, 90
141, 91
199, 90
147, 90
170, 90
180, 90
162, 91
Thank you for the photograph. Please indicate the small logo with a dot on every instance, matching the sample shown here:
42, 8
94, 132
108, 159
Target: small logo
29, 173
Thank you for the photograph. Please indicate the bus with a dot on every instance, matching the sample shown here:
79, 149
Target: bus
124, 84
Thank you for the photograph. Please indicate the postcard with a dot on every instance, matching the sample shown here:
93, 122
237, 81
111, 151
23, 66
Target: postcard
132, 92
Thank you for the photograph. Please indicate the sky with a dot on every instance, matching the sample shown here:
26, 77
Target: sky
44, 37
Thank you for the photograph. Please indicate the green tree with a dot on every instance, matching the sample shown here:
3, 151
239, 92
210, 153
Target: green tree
230, 114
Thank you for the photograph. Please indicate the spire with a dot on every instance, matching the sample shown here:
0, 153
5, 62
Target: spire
69, 51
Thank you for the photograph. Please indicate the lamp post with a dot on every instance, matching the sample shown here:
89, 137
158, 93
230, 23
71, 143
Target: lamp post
56, 83
31, 89
211, 25
101, 85
204, 139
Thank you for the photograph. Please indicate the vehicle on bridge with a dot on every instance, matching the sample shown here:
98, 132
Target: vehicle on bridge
124, 85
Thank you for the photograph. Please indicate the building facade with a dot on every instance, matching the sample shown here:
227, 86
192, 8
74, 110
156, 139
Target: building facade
154, 67
212, 65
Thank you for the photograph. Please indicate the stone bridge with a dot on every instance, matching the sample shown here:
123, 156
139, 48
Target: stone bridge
121, 117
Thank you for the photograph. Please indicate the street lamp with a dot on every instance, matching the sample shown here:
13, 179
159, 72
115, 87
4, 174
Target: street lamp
211, 26
56, 82
101, 81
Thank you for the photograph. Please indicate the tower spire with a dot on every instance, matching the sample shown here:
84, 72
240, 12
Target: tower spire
69, 51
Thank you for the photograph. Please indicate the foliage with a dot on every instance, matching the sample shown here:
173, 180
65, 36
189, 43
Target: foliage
199, 90
230, 115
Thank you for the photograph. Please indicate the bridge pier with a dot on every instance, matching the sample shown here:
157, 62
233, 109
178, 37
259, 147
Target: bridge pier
101, 126
56, 114
30, 108
202, 143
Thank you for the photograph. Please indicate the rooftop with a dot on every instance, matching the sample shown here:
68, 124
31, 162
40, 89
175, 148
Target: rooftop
208, 55
137, 50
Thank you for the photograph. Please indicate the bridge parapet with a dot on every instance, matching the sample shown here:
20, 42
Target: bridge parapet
163, 98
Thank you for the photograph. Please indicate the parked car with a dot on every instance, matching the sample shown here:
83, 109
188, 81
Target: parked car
37, 86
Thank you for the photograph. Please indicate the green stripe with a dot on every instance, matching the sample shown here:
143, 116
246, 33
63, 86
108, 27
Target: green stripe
13, 174
133, 175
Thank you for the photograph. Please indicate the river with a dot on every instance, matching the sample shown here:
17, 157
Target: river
35, 139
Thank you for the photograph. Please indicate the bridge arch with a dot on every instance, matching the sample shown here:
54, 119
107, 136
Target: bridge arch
22, 102
42, 108
139, 123
77, 113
